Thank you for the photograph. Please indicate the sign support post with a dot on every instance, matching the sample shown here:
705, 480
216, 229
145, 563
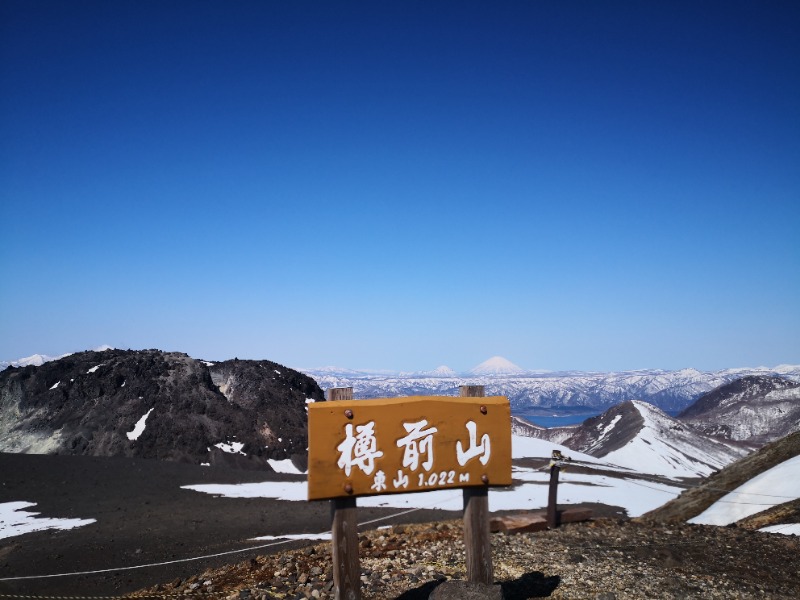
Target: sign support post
404, 445
344, 533
477, 537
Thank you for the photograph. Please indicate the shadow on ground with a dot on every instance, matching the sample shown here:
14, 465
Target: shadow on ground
530, 585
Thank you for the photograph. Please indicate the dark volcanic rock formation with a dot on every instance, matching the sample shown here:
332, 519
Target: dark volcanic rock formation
186, 410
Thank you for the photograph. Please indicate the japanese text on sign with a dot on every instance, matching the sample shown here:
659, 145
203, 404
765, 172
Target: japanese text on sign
407, 444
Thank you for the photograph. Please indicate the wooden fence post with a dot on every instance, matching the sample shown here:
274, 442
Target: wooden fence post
552, 497
344, 533
552, 512
477, 537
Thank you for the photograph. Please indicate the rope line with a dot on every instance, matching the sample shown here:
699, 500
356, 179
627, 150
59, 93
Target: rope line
685, 487
218, 554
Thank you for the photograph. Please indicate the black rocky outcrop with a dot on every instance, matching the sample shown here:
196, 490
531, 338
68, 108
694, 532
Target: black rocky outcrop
90, 402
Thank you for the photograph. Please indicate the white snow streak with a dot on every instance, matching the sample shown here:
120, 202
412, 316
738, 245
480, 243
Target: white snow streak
139, 427
295, 536
793, 529
284, 466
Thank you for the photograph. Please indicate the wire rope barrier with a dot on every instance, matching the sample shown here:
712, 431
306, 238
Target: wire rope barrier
218, 554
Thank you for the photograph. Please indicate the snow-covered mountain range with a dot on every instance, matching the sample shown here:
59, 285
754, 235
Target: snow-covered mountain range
638, 436
669, 390
753, 409
37, 360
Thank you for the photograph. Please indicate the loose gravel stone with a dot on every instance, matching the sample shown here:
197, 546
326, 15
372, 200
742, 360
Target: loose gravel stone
603, 560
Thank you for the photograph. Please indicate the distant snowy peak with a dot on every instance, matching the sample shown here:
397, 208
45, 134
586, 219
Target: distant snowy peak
496, 366
37, 360
441, 371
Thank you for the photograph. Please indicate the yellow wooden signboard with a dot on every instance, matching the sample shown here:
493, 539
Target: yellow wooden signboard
413, 444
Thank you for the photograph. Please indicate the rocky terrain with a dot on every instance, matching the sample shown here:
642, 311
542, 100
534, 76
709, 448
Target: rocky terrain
753, 409
604, 559
154, 404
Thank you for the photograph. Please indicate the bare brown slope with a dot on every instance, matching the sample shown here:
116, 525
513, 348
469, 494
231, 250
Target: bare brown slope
695, 500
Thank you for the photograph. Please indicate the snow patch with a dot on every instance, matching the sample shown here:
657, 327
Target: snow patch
295, 536
792, 529
139, 427
93, 369
55, 385
528, 493
608, 428
231, 447
15, 521
284, 466
779, 484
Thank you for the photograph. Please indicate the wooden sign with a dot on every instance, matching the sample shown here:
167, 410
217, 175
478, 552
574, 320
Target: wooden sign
412, 444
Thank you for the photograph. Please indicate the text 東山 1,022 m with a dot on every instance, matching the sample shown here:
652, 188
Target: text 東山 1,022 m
412, 444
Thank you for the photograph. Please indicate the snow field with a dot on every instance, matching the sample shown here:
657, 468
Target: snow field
779, 484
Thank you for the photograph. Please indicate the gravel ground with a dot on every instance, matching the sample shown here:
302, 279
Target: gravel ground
143, 517
604, 559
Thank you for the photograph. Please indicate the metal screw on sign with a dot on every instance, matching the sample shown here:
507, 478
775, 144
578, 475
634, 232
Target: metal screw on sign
348, 413
484, 410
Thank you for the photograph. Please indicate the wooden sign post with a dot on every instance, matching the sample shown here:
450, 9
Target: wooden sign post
344, 533
401, 445
477, 538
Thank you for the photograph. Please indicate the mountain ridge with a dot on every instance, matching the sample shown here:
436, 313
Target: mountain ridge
154, 404
668, 390
638, 436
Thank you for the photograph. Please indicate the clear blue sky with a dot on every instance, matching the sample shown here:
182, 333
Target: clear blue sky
399, 185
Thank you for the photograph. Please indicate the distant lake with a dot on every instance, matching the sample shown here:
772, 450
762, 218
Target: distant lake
562, 419
558, 420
